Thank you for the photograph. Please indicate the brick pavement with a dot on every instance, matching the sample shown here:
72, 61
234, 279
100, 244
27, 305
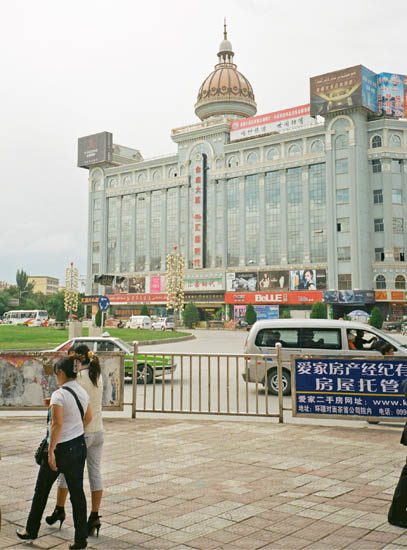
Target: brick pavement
206, 485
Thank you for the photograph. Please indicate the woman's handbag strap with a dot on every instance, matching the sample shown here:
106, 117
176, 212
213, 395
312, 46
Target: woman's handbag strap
76, 399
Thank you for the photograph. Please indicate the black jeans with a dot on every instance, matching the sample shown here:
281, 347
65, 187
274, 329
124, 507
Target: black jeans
70, 458
399, 504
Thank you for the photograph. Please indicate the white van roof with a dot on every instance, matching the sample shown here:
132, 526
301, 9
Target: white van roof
311, 323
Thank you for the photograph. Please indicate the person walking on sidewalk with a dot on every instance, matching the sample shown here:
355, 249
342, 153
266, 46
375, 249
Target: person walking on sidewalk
66, 453
89, 377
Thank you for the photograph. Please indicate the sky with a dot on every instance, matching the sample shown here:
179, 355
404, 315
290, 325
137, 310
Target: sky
78, 67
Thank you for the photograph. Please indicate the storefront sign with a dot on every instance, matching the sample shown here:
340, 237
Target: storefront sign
200, 297
89, 300
381, 295
353, 387
287, 119
397, 296
137, 298
292, 297
207, 281
262, 312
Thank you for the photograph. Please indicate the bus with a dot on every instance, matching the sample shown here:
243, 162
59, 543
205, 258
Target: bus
29, 317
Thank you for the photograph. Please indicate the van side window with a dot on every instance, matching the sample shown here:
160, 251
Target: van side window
320, 338
105, 346
268, 337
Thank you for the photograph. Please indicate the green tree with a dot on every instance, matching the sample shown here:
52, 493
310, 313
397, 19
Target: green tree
144, 310
4, 299
98, 318
22, 281
318, 311
61, 314
285, 314
191, 315
376, 318
250, 315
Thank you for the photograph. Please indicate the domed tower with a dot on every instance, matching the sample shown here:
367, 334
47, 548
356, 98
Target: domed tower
225, 91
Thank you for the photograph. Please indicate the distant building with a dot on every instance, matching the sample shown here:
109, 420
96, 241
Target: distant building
284, 209
46, 285
4, 285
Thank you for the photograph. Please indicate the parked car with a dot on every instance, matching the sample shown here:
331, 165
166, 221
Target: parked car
145, 363
139, 321
313, 336
163, 323
392, 326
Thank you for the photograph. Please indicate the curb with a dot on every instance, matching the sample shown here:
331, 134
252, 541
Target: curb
166, 340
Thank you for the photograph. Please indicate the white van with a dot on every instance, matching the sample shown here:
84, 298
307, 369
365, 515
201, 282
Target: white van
139, 321
313, 336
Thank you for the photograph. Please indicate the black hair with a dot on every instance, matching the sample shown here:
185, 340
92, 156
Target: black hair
67, 365
385, 348
87, 358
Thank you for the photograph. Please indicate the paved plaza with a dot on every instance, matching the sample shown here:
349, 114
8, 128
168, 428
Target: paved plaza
216, 484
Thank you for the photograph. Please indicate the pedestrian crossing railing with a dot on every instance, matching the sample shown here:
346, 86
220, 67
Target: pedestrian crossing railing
205, 384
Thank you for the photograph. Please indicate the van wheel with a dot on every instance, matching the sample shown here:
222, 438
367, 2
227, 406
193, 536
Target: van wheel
147, 374
272, 382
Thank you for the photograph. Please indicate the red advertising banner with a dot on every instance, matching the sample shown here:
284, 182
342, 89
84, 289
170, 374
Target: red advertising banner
292, 297
136, 298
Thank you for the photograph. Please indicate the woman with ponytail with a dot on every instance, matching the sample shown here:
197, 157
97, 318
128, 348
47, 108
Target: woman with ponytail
89, 377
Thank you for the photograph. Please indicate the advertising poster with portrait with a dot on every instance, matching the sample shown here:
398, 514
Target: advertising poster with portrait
157, 284
308, 279
274, 280
245, 281
137, 285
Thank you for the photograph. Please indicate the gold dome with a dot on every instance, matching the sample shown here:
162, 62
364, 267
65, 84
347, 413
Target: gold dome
225, 91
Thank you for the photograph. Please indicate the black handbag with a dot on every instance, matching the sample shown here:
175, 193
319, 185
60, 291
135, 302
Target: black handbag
42, 451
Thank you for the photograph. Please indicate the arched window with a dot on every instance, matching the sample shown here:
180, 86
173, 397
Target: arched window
99, 185
127, 180
232, 162
218, 164
113, 183
395, 141
273, 153
376, 142
400, 282
341, 142
252, 158
294, 150
156, 175
380, 282
317, 146
172, 173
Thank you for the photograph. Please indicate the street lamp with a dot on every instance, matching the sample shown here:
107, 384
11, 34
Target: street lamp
175, 281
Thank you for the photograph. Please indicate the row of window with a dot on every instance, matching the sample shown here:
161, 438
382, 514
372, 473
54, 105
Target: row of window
399, 282
395, 141
396, 196
396, 166
398, 254
398, 225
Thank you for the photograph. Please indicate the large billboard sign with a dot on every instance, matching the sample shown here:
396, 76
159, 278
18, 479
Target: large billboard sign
392, 94
350, 387
349, 296
95, 149
308, 279
351, 87
278, 121
301, 298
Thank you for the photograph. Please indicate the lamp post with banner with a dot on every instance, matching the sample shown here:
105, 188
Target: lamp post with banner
175, 282
71, 290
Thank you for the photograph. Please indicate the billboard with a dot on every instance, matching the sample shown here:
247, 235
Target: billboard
95, 149
274, 280
137, 285
351, 87
262, 312
246, 280
349, 297
137, 298
391, 94
350, 387
278, 121
308, 279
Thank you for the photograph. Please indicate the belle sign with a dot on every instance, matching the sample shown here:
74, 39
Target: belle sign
293, 297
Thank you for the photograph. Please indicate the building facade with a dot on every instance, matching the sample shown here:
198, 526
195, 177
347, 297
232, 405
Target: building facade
254, 215
44, 284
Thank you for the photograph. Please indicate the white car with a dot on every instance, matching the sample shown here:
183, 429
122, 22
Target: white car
163, 323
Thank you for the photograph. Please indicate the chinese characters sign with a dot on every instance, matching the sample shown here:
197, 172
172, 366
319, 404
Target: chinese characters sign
198, 175
287, 119
350, 387
95, 149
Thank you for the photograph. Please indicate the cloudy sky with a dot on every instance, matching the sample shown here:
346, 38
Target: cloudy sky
133, 68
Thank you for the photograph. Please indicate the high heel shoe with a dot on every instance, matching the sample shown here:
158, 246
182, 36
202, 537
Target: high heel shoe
78, 544
57, 515
94, 524
25, 535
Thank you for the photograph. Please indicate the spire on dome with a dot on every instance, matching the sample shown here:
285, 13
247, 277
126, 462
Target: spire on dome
225, 34
225, 53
